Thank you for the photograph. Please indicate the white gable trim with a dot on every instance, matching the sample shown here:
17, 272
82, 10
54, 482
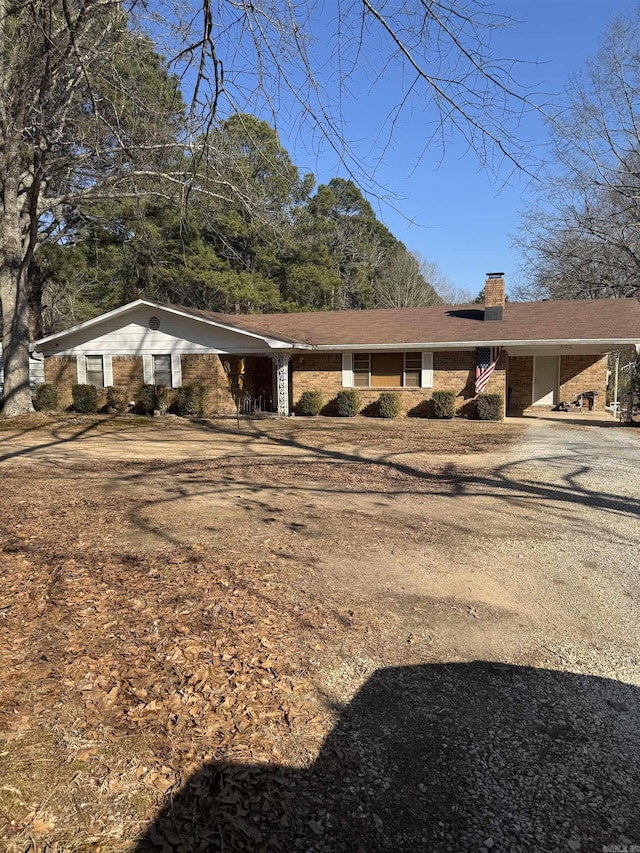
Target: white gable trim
272, 342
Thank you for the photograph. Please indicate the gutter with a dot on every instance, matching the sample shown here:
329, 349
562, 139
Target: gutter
446, 345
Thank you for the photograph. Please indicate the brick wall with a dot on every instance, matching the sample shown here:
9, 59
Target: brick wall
62, 371
206, 369
452, 371
317, 372
127, 373
580, 373
520, 383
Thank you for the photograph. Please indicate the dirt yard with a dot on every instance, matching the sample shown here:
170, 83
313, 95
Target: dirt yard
318, 635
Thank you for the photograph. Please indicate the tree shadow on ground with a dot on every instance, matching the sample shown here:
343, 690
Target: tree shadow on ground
448, 757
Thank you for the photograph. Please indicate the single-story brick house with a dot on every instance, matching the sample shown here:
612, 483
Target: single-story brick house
535, 354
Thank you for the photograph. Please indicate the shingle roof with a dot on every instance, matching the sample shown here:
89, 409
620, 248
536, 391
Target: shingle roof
580, 320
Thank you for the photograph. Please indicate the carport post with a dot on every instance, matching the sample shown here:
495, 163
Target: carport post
281, 364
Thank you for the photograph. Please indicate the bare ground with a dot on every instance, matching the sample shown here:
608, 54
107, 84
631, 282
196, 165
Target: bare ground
290, 635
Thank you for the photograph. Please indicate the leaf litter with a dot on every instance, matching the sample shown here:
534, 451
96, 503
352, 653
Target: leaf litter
126, 673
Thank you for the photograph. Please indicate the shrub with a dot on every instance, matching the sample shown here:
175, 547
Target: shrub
148, 399
490, 407
85, 399
443, 404
389, 404
189, 400
310, 403
117, 398
45, 398
348, 403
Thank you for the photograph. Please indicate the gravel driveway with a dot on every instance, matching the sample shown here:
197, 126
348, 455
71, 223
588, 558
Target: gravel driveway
522, 734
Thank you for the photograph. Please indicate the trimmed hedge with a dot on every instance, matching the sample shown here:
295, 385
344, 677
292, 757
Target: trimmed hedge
85, 399
490, 407
45, 398
117, 398
310, 403
189, 400
443, 404
389, 404
348, 403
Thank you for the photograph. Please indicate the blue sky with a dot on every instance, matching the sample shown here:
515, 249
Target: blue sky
464, 217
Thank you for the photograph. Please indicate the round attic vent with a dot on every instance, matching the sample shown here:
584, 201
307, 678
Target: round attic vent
154, 323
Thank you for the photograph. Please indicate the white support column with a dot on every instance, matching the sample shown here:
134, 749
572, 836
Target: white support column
281, 365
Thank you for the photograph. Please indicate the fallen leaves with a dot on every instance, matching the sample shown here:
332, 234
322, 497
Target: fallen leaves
142, 667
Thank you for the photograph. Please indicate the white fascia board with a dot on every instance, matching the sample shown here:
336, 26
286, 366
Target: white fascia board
272, 343
612, 343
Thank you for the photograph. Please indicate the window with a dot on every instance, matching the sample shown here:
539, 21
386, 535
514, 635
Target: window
387, 370
95, 370
361, 370
162, 370
412, 369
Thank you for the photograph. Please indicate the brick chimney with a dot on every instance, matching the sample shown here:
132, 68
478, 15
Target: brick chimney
494, 296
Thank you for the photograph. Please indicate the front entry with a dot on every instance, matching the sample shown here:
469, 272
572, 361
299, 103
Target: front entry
545, 380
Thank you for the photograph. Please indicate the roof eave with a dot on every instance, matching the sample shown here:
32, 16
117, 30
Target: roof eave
614, 343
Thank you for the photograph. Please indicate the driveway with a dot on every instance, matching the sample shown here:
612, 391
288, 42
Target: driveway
471, 649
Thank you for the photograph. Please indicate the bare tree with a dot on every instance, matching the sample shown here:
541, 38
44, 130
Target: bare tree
408, 281
71, 124
581, 239
448, 293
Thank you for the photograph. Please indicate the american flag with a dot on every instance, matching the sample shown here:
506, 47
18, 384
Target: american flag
486, 358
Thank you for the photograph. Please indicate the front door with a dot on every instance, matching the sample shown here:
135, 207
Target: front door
545, 380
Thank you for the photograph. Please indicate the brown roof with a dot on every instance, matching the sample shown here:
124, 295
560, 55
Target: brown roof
580, 320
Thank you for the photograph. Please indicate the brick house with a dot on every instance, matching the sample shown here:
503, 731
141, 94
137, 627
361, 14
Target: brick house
534, 354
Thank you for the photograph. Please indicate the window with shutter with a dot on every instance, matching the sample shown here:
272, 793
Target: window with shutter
389, 370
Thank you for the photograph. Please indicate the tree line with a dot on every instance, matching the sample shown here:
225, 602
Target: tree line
277, 243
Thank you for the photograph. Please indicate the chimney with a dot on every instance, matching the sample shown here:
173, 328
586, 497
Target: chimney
494, 296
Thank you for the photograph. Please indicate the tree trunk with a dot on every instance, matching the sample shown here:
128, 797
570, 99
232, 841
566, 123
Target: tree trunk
35, 288
15, 323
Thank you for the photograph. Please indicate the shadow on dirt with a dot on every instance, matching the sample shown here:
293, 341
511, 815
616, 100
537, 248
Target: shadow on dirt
449, 757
